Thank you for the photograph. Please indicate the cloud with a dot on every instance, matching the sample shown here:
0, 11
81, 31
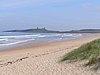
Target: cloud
91, 7
13, 3
19, 3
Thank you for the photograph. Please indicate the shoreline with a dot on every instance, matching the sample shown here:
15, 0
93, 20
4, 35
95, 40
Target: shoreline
13, 46
35, 45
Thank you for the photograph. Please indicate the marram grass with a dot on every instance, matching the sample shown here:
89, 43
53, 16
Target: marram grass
89, 51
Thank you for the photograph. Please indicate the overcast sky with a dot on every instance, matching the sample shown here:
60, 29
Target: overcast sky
52, 14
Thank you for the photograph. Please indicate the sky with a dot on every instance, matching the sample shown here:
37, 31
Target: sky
52, 14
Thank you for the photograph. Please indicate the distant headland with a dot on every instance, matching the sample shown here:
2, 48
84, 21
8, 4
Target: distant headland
36, 30
44, 30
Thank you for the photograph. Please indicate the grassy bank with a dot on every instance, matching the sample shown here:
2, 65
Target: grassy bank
89, 51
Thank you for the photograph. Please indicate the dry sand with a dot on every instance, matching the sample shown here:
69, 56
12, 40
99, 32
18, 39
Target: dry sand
43, 59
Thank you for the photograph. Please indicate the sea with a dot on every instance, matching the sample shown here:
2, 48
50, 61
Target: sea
14, 38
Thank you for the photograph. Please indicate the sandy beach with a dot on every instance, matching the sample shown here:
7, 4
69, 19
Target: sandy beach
43, 58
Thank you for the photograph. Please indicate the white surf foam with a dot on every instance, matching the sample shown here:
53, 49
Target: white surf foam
11, 40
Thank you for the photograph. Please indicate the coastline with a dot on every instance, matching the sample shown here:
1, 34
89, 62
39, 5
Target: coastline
45, 55
12, 41
28, 46
34, 44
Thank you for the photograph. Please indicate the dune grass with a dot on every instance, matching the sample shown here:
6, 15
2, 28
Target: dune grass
89, 51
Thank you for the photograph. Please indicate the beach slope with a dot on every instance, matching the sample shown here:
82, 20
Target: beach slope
43, 59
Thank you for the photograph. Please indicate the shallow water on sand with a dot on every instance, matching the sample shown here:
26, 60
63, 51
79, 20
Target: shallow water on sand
12, 38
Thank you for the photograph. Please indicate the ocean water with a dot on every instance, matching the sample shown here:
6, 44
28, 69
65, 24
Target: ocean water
13, 38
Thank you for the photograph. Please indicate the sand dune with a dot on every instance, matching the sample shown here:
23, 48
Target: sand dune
44, 59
